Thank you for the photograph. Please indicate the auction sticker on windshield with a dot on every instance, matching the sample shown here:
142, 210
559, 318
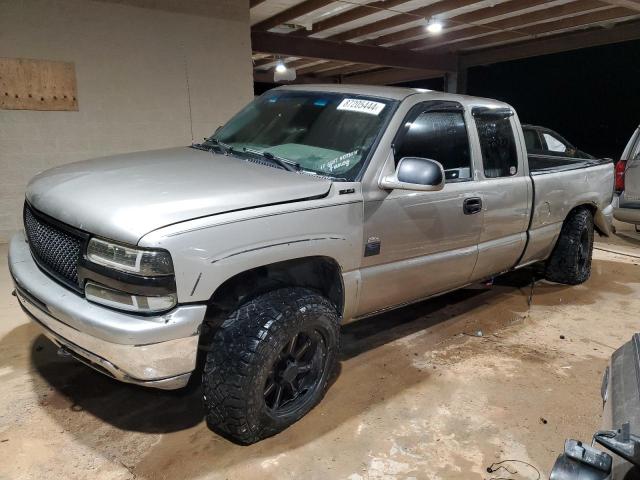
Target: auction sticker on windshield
362, 106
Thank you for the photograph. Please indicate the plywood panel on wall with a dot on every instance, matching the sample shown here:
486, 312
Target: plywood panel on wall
27, 84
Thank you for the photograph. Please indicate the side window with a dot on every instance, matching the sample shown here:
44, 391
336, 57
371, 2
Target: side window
440, 136
554, 144
498, 146
532, 140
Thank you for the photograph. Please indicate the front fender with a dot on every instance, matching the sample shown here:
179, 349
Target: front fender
207, 253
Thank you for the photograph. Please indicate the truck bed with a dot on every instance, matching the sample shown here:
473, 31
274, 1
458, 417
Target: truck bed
543, 164
558, 185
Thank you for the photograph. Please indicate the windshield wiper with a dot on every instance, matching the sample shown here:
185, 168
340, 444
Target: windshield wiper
285, 163
223, 147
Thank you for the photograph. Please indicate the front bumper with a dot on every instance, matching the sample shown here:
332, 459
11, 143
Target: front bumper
156, 351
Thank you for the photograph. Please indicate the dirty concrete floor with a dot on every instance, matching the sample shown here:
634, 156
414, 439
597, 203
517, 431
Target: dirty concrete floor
417, 396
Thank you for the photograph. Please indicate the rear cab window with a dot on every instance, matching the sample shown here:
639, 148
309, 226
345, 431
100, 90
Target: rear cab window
437, 130
497, 141
532, 140
554, 144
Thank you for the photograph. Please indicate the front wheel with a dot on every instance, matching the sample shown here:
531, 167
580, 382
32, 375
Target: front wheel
270, 364
570, 261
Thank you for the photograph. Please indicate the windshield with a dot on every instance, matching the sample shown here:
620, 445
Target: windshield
324, 133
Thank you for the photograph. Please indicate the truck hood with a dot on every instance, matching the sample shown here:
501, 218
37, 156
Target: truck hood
124, 197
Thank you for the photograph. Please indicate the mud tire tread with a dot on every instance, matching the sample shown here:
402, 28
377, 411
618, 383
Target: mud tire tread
241, 351
563, 265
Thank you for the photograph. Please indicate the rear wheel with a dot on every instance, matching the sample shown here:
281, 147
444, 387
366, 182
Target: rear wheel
270, 364
570, 262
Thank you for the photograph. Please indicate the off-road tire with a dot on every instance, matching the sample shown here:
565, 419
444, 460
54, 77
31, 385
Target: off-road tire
244, 354
570, 261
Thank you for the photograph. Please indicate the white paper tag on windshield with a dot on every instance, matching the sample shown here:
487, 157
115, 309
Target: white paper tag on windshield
362, 106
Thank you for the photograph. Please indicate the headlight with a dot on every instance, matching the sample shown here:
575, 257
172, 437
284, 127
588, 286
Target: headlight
148, 263
126, 301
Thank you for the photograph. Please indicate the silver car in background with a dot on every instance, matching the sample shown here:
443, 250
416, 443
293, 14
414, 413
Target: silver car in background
627, 183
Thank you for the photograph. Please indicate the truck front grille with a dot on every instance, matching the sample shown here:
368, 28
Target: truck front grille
56, 249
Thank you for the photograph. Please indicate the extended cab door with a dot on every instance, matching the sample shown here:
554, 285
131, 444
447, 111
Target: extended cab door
505, 190
421, 243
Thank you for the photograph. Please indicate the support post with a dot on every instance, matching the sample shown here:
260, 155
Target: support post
451, 82
461, 81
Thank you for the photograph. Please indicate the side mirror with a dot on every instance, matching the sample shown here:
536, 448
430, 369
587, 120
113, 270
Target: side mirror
414, 173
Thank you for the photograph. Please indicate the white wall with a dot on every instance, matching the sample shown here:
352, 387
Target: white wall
132, 65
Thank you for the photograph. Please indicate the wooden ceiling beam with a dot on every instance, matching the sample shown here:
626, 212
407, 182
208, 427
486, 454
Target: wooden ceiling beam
355, 68
353, 14
540, 29
298, 63
315, 69
263, 62
296, 46
292, 13
402, 19
574, 8
630, 4
579, 21
267, 77
560, 43
390, 76
512, 25
445, 39
304, 62
467, 18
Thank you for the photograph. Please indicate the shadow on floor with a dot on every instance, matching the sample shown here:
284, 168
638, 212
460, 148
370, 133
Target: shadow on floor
122, 405
369, 333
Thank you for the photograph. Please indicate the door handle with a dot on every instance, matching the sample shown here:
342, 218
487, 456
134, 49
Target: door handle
472, 205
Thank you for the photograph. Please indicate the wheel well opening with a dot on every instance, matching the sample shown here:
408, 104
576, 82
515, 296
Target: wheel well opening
593, 209
318, 273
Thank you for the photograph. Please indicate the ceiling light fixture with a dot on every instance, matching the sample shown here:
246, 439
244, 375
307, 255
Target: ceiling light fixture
281, 67
434, 26
282, 73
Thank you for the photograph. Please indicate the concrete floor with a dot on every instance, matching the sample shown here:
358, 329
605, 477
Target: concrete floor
418, 396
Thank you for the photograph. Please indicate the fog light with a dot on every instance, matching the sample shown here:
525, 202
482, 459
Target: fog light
126, 301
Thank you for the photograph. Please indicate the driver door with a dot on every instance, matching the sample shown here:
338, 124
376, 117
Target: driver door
418, 244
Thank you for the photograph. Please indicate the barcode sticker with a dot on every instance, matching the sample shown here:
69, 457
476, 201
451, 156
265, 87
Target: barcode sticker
362, 106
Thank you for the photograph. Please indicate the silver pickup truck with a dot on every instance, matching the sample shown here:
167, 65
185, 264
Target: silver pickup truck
313, 206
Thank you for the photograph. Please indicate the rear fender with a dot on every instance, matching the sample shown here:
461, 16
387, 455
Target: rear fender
602, 220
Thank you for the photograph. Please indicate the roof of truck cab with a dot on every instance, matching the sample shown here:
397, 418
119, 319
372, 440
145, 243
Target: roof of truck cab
392, 93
